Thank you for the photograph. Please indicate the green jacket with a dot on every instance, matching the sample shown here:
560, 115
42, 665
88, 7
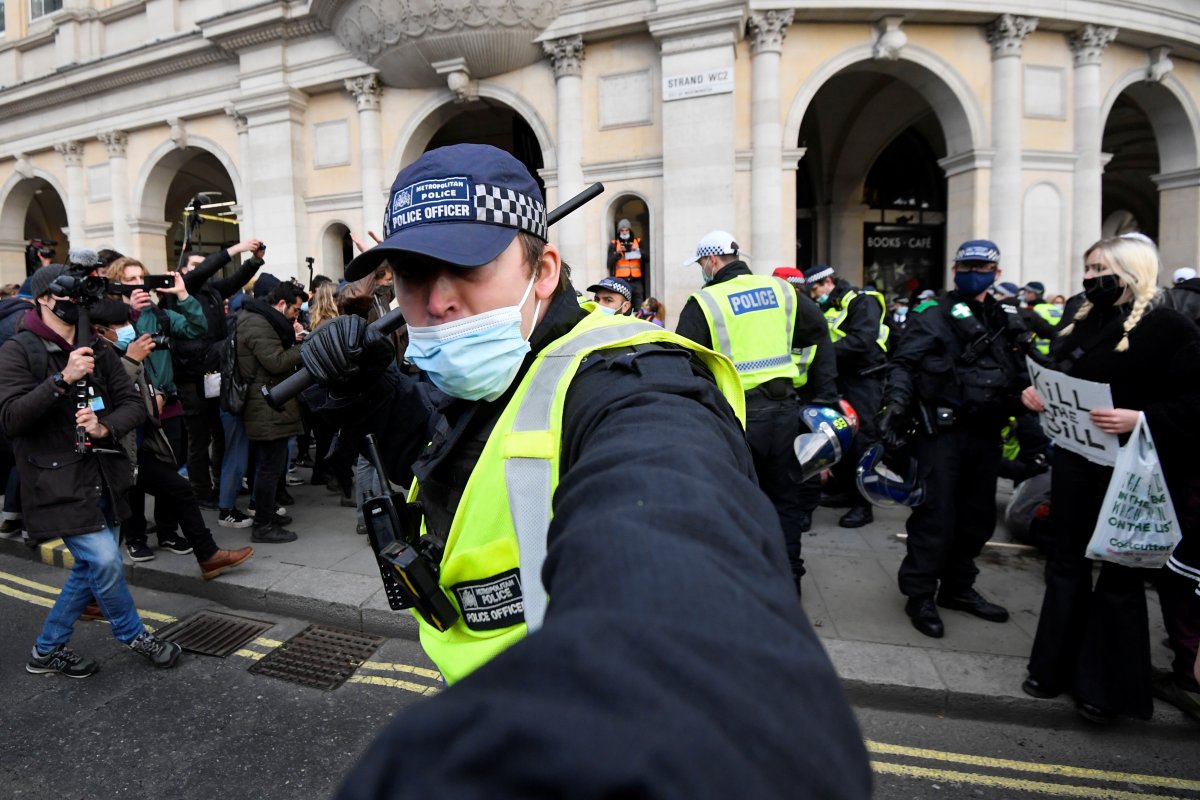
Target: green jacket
263, 361
188, 322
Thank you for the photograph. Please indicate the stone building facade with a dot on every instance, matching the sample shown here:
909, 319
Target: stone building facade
818, 132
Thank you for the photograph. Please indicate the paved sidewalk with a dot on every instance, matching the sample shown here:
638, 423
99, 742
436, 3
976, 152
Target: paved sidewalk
329, 575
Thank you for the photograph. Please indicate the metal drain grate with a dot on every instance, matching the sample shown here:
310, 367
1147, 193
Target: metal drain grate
319, 656
213, 633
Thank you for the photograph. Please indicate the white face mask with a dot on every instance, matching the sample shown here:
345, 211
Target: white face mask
476, 357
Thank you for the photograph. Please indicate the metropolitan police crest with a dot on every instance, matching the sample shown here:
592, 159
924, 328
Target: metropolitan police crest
403, 199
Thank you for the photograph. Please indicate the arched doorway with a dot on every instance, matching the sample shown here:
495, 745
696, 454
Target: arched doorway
200, 207
184, 195
45, 219
488, 121
870, 193
1129, 197
337, 249
1149, 182
633, 208
33, 210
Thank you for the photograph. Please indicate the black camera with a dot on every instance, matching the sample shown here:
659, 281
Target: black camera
83, 289
161, 341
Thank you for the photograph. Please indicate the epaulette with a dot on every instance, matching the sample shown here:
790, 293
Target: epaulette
927, 304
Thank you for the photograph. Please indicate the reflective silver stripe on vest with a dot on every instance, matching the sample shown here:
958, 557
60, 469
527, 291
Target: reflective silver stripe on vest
789, 304
528, 479
718, 322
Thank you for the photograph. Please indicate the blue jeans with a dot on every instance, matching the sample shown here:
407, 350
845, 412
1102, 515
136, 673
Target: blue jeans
98, 573
233, 466
12, 495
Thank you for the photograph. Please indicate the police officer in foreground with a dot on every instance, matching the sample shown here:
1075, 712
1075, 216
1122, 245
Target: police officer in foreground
956, 373
860, 341
601, 625
756, 321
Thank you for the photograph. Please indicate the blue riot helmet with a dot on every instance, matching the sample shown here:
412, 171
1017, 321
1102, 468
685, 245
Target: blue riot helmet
887, 480
829, 437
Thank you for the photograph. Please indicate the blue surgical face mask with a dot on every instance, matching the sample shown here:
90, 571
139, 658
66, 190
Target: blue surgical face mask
973, 284
474, 358
304, 306
125, 337
607, 310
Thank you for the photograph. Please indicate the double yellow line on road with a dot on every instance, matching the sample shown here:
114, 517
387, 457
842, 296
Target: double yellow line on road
46, 595
391, 679
1022, 784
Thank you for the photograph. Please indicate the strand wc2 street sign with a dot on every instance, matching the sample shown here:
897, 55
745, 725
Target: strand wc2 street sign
1066, 420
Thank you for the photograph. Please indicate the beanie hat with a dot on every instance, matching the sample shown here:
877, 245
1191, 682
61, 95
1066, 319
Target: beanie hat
39, 282
265, 283
623, 223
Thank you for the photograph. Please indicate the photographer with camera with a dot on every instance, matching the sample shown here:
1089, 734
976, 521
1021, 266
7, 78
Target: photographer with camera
195, 358
186, 322
79, 496
38, 253
175, 503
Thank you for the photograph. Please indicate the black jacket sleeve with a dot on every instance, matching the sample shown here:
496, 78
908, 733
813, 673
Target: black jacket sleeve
206, 269
662, 589
24, 398
228, 287
692, 324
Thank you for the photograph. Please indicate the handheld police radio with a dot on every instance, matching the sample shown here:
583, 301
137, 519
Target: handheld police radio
408, 562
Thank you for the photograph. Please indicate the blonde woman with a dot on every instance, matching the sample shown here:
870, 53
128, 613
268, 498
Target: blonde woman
1093, 641
323, 306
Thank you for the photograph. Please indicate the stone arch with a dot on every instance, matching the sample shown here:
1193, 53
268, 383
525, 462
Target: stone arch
329, 245
15, 197
441, 107
1172, 113
942, 86
159, 168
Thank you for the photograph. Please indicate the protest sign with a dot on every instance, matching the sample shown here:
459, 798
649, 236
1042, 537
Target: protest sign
1066, 421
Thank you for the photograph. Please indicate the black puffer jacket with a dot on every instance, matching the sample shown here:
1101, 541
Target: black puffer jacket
61, 489
1185, 298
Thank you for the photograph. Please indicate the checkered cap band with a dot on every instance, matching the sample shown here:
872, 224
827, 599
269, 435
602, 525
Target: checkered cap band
712, 250
818, 275
500, 206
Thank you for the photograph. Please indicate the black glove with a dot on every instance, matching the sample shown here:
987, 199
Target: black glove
345, 352
891, 423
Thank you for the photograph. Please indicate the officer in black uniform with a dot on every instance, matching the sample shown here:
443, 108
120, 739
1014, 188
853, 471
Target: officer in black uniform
957, 372
856, 323
658, 587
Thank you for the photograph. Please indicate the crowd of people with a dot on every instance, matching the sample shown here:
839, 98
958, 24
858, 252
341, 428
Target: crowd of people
508, 389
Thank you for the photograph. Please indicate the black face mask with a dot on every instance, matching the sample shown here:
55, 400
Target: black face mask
1103, 291
66, 311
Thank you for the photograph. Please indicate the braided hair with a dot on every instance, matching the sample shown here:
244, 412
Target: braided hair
1135, 261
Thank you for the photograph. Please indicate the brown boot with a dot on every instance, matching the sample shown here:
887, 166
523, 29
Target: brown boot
223, 560
92, 611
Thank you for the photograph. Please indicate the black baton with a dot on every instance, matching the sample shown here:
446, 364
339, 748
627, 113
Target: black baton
300, 380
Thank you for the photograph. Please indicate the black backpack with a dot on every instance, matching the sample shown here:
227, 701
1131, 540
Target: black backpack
234, 389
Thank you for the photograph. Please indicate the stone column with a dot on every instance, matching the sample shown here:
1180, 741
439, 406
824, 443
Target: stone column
566, 56
118, 176
245, 220
276, 184
72, 153
1087, 44
766, 139
699, 147
367, 93
1006, 36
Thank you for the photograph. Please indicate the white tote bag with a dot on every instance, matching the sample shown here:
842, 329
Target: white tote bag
212, 384
1137, 526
